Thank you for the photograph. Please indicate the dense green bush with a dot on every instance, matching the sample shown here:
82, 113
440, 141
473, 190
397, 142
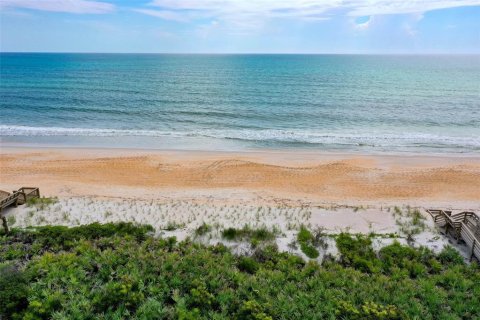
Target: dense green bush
261, 234
309, 250
307, 243
357, 252
247, 264
95, 274
304, 235
450, 256
13, 290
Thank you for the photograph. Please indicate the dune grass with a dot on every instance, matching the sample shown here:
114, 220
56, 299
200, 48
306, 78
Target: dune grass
42, 202
247, 233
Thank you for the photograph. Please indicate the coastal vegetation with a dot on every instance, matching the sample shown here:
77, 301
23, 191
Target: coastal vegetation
260, 234
41, 203
120, 271
306, 241
410, 222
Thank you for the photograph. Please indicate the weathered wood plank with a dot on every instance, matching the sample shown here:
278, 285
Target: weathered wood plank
19, 196
465, 225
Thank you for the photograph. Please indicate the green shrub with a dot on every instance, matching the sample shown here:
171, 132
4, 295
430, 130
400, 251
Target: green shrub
200, 296
247, 264
125, 292
45, 308
304, 235
230, 234
307, 243
417, 261
23, 243
60, 236
13, 291
396, 255
450, 256
252, 310
151, 309
267, 254
309, 250
119, 277
358, 252
260, 235
203, 229
369, 310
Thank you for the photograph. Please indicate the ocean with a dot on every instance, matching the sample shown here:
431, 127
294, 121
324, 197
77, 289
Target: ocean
348, 103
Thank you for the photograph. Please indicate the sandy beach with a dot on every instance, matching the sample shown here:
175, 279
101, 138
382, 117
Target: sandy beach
307, 177
178, 191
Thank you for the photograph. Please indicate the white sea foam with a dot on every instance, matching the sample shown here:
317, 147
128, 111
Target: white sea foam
371, 138
6, 130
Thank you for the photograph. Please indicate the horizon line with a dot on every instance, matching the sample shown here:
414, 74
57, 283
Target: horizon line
251, 53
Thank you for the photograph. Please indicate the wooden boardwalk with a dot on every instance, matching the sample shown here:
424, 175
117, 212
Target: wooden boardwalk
464, 226
15, 198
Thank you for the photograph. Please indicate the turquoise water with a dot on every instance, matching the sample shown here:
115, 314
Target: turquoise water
320, 102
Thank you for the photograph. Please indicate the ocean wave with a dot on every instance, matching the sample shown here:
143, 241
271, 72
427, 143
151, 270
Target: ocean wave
373, 139
6, 130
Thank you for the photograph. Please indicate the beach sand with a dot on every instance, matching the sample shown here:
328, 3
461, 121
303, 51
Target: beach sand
312, 178
177, 191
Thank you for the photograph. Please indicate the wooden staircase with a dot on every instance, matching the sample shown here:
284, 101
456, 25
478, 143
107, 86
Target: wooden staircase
15, 198
463, 226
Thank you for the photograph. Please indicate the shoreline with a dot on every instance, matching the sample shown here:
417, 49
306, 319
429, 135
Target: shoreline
233, 145
12, 147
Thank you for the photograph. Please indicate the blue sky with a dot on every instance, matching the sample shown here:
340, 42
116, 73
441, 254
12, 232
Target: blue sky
241, 26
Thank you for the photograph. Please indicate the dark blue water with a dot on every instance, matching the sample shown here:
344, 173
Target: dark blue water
324, 102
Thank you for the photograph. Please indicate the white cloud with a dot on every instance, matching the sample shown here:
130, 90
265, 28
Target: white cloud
247, 16
164, 14
307, 9
245, 9
70, 6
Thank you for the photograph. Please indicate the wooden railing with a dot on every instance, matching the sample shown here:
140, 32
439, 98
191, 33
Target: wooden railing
465, 226
9, 200
26, 193
17, 197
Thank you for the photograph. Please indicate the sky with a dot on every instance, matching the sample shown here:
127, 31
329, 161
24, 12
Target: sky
241, 26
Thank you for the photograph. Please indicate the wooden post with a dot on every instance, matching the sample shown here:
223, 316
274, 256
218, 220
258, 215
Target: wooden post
473, 249
5, 225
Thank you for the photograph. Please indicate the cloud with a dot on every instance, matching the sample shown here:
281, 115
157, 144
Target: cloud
164, 14
303, 9
248, 16
381, 7
69, 6
243, 10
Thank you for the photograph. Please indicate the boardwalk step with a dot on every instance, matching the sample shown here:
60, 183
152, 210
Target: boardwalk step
466, 226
